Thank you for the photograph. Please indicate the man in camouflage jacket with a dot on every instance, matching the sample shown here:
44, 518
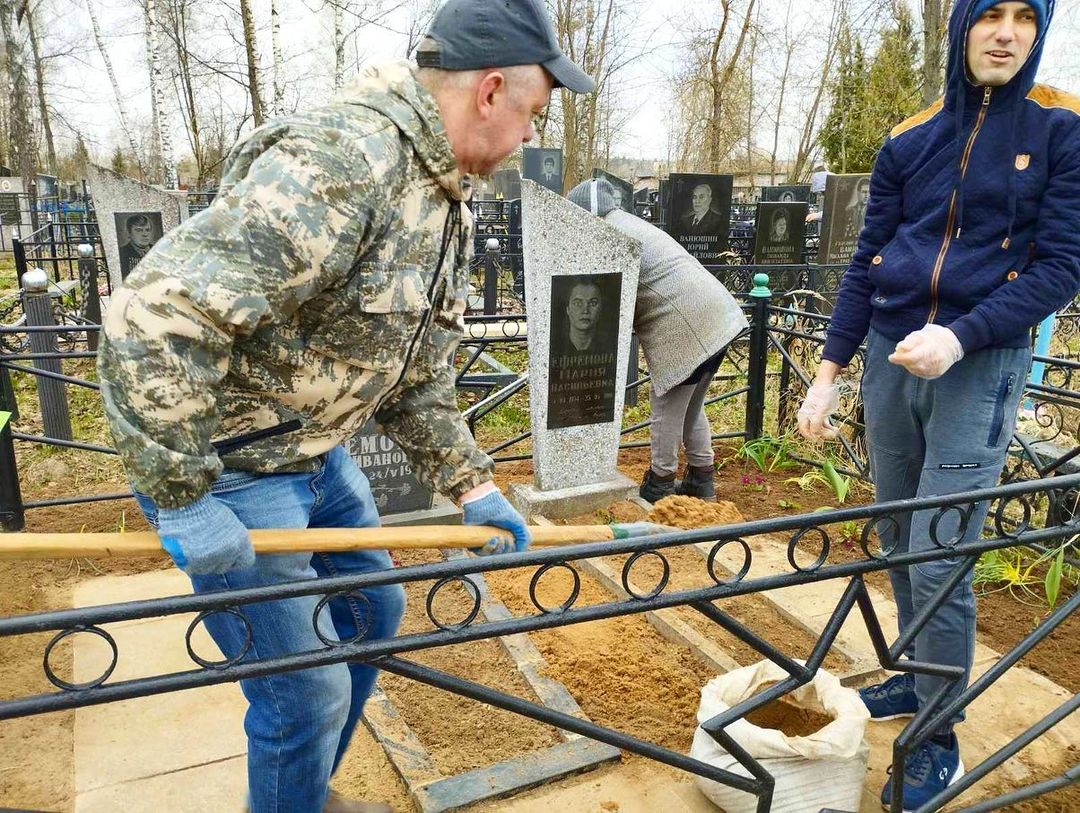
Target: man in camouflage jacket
324, 286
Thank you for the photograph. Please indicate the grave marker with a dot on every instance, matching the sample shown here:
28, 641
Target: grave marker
842, 218
699, 214
786, 193
543, 165
779, 233
624, 191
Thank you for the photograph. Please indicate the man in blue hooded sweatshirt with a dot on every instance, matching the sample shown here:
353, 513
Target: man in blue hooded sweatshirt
972, 237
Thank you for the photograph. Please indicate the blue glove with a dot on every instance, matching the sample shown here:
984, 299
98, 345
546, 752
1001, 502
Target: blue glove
205, 537
495, 509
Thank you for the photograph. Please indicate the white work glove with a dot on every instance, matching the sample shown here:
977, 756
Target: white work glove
928, 352
822, 400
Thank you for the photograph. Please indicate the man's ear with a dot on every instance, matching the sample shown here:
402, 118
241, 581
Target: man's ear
490, 86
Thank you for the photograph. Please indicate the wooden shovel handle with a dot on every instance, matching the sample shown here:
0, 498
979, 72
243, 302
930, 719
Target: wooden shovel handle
146, 543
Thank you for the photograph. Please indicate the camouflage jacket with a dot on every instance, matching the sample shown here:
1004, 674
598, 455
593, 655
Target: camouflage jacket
325, 284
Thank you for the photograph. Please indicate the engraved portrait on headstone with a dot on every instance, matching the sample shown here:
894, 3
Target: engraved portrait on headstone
786, 193
699, 213
843, 216
624, 192
545, 166
584, 349
136, 233
779, 233
393, 486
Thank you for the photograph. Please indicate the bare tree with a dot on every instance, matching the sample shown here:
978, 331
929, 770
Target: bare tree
277, 106
251, 52
339, 44
789, 50
935, 14
719, 79
161, 127
39, 75
128, 133
800, 170
21, 139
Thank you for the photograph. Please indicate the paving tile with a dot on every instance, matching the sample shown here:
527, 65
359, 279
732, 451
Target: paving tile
220, 787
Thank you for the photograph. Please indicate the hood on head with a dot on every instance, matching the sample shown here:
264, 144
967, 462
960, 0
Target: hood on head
964, 14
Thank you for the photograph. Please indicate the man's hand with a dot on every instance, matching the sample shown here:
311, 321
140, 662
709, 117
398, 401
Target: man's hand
492, 508
928, 352
205, 537
822, 400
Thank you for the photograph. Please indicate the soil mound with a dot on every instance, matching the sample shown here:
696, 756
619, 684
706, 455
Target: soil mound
690, 512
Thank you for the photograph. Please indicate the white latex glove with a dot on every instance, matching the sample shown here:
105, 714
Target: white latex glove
822, 400
928, 352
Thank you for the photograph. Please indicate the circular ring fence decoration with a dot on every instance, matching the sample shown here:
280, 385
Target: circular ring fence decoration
710, 563
362, 625
794, 544
965, 517
208, 664
474, 610
660, 585
868, 528
574, 591
1000, 518
59, 682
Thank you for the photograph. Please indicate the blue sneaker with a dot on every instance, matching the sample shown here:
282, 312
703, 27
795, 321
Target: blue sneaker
892, 699
927, 772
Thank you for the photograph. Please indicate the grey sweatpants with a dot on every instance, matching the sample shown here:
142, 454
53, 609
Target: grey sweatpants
932, 438
679, 415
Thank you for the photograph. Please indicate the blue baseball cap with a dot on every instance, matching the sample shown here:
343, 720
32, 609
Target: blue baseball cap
476, 34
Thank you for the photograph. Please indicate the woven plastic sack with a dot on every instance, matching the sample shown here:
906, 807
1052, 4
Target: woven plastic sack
824, 770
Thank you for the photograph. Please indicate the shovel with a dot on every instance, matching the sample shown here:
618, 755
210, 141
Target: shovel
324, 540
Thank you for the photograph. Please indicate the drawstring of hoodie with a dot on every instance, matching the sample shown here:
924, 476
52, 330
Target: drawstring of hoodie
958, 149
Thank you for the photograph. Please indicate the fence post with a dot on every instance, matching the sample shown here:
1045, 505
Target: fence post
12, 517
18, 253
32, 200
52, 395
491, 277
760, 295
88, 276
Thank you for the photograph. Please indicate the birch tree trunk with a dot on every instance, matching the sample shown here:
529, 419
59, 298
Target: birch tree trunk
339, 45
277, 106
21, 134
162, 132
252, 63
43, 108
115, 86
718, 80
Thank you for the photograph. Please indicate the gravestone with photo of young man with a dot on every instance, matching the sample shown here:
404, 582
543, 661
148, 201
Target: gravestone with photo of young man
842, 217
580, 297
544, 166
132, 216
779, 233
698, 213
624, 190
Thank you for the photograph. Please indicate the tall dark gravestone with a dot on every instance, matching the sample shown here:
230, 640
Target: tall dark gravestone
584, 349
624, 191
699, 214
393, 485
786, 193
543, 165
507, 184
842, 217
779, 233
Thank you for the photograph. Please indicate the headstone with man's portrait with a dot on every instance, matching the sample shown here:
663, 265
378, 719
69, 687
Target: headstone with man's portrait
842, 217
580, 297
624, 190
699, 213
132, 216
544, 166
786, 193
779, 233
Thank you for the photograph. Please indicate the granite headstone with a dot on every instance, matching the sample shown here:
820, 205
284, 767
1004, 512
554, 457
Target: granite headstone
129, 213
624, 191
699, 213
779, 233
389, 472
570, 253
507, 184
543, 165
786, 193
842, 217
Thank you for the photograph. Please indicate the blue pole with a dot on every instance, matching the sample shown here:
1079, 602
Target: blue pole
1042, 348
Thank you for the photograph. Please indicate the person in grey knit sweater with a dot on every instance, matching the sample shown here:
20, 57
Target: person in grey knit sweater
684, 319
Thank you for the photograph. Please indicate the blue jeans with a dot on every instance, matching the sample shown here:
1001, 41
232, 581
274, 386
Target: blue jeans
299, 724
933, 438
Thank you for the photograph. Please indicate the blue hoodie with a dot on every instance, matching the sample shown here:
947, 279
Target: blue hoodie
974, 213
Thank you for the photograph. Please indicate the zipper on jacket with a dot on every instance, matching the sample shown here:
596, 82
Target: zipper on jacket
952, 205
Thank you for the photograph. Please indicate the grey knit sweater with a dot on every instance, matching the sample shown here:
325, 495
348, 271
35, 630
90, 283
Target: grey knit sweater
684, 315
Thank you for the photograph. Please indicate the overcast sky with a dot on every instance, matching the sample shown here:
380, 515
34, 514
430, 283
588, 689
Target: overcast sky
656, 30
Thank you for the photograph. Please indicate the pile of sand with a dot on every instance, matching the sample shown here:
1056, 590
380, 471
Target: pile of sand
690, 512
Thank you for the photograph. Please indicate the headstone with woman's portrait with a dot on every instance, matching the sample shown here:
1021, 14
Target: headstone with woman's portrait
132, 216
779, 233
843, 216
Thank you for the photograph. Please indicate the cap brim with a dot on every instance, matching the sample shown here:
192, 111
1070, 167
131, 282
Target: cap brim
568, 75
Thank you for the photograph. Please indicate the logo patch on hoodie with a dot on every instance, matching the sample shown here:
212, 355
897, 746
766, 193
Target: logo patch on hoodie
1023, 160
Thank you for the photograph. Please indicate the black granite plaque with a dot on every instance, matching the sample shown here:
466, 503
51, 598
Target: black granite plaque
507, 184
786, 193
699, 213
136, 233
393, 485
624, 191
778, 233
9, 208
842, 217
545, 166
584, 349
47, 186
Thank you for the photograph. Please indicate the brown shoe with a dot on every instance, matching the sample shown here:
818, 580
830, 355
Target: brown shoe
336, 803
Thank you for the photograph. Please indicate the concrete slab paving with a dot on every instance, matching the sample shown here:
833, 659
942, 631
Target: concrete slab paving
216, 788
